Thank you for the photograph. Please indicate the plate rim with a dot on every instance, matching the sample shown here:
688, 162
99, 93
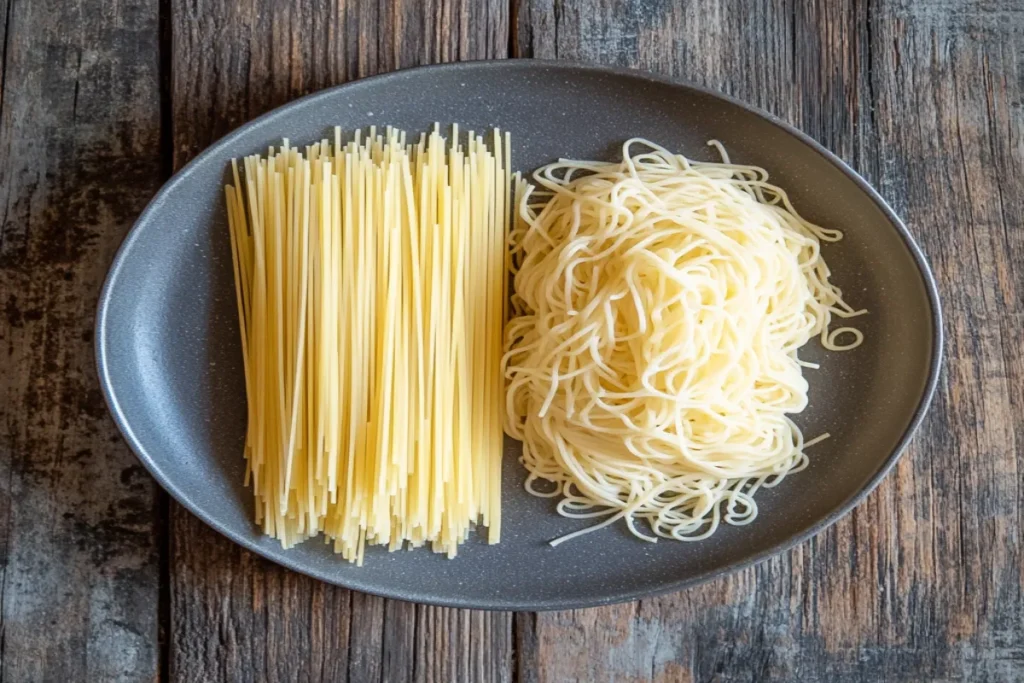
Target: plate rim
281, 557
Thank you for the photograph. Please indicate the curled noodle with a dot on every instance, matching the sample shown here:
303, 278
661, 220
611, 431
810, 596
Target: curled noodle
651, 350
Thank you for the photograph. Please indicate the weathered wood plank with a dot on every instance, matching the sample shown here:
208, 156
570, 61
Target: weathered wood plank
462, 645
949, 84
924, 580
5, 8
79, 134
234, 616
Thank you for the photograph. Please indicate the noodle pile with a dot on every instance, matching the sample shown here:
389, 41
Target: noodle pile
651, 352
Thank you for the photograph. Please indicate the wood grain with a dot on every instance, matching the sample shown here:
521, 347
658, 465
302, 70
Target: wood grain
79, 127
924, 580
235, 617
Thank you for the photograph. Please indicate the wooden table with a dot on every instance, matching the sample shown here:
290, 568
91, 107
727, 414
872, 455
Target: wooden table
104, 579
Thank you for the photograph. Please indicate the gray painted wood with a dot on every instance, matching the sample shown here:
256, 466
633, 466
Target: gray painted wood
79, 158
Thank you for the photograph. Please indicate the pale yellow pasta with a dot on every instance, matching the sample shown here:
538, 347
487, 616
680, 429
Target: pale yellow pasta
369, 282
651, 353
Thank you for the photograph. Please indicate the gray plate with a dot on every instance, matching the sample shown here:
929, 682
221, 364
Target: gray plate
170, 362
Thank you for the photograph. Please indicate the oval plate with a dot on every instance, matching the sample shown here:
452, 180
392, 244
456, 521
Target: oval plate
170, 361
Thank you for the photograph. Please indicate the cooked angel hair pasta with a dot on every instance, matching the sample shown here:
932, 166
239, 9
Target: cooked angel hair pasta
370, 280
651, 354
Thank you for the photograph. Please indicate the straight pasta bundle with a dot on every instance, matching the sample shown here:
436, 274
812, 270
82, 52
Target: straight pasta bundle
370, 282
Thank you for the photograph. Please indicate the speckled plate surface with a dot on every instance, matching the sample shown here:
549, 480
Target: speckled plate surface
170, 361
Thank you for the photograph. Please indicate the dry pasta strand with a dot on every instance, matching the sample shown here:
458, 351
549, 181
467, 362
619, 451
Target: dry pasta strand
369, 283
